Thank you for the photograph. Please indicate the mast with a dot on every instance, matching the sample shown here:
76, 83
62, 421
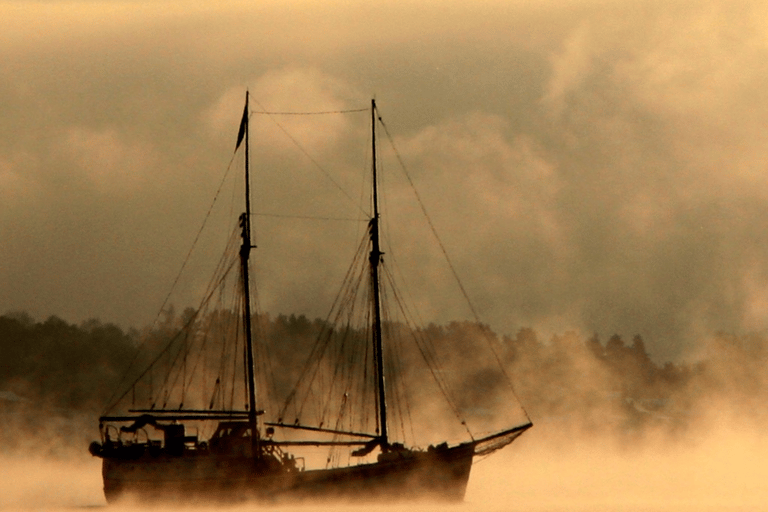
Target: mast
375, 260
245, 251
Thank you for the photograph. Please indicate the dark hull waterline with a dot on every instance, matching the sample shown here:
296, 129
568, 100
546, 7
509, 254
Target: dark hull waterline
436, 474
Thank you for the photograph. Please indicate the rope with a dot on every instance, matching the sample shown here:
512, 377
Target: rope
452, 268
323, 112
173, 287
301, 148
182, 331
306, 217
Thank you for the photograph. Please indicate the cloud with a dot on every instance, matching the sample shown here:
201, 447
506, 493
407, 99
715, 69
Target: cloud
16, 187
491, 196
292, 90
109, 163
651, 128
570, 67
588, 165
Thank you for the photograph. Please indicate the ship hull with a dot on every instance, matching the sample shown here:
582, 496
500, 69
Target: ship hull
434, 475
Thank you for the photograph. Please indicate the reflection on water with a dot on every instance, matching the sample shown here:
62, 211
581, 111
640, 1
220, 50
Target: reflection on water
725, 472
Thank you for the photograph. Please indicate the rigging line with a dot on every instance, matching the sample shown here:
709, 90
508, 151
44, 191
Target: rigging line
402, 390
306, 153
182, 353
319, 345
220, 376
428, 353
175, 282
346, 309
350, 376
272, 113
336, 375
197, 360
199, 313
450, 265
238, 335
223, 318
265, 351
230, 334
330, 336
186, 346
167, 348
307, 217
396, 384
199, 232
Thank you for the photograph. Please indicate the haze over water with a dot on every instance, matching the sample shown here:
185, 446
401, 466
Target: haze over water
722, 470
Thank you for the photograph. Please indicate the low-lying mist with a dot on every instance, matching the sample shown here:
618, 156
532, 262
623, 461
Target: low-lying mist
722, 469
613, 429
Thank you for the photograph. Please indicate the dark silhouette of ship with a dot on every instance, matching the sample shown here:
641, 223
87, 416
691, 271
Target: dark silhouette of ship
217, 452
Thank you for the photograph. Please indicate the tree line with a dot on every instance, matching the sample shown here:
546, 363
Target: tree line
52, 370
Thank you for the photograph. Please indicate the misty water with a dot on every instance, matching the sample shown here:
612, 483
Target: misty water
721, 469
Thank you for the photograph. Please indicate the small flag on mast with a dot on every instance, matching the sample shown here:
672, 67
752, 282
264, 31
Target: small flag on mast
243, 122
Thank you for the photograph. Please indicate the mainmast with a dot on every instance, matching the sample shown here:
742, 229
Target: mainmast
245, 251
375, 260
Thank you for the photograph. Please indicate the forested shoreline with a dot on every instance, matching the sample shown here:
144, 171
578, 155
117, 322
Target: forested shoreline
57, 377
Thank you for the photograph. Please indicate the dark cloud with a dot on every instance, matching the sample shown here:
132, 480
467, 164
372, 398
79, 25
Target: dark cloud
590, 166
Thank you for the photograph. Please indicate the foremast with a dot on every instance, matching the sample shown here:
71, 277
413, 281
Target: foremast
245, 252
375, 261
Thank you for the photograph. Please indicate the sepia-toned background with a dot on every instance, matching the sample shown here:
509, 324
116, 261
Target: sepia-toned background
589, 166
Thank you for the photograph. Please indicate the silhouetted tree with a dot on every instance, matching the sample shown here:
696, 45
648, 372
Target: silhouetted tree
74, 369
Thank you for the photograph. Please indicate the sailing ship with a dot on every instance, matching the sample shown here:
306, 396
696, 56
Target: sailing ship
210, 449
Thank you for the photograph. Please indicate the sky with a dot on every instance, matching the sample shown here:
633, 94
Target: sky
596, 166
